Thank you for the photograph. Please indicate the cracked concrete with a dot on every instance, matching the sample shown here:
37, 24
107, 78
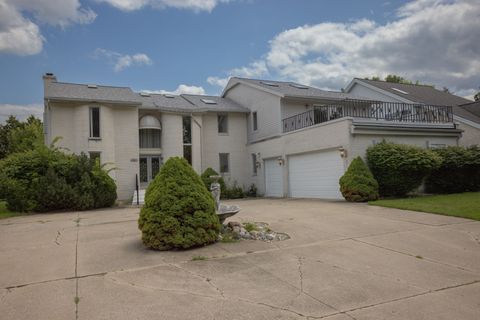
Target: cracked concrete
344, 261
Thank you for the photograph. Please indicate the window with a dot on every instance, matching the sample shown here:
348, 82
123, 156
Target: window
150, 138
187, 139
224, 166
254, 164
222, 123
94, 156
94, 122
255, 121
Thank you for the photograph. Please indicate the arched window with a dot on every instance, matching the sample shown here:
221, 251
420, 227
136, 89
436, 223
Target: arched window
150, 132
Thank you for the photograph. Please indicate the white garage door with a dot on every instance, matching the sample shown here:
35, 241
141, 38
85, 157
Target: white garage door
315, 175
273, 179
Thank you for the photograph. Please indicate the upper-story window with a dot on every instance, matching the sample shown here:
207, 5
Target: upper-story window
94, 122
187, 138
150, 132
222, 120
255, 121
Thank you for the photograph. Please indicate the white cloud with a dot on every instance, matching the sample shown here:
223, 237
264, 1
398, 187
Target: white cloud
181, 89
255, 69
195, 5
122, 61
418, 44
19, 22
21, 112
217, 81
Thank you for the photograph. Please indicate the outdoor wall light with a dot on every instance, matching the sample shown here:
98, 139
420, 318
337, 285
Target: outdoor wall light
280, 161
258, 164
343, 152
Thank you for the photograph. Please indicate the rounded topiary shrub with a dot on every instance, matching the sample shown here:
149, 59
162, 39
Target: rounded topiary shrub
459, 172
179, 212
358, 183
400, 168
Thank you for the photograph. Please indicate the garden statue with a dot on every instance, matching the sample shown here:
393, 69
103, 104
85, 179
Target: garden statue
223, 212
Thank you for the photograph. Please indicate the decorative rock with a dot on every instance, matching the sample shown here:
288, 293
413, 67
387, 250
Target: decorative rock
261, 231
232, 224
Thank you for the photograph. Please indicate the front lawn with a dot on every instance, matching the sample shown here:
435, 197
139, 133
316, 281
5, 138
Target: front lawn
465, 205
5, 213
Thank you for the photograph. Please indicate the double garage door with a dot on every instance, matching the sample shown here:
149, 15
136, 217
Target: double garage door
310, 175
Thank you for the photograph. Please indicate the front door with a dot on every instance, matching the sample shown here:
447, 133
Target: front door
149, 167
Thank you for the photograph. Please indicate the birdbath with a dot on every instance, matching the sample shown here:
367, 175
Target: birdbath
223, 211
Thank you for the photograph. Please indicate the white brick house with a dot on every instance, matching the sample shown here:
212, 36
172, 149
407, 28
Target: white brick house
288, 139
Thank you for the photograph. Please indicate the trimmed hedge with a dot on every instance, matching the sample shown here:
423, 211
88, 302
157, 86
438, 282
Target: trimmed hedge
400, 168
179, 212
459, 172
46, 179
358, 183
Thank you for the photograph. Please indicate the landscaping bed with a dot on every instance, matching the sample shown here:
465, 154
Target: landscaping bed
464, 205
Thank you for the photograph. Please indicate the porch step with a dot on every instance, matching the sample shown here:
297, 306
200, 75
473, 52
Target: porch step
141, 197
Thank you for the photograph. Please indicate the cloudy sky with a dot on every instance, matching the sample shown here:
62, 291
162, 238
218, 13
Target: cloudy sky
193, 46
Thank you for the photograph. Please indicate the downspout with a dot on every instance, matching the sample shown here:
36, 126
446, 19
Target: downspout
201, 141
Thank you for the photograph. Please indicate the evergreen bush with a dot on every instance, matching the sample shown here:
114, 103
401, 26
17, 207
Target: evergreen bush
179, 212
459, 172
46, 179
358, 183
400, 168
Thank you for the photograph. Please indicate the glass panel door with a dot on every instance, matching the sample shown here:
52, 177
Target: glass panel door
143, 169
155, 162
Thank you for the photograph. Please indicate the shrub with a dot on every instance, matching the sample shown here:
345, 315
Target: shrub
207, 181
399, 168
358, 183
233, 192
179, 211
459, 172
46, 179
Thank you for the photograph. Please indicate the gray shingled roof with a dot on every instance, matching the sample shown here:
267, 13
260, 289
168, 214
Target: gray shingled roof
190, 103
81, 92
428, 95
292, 90
419, 93
222, 104
470, 111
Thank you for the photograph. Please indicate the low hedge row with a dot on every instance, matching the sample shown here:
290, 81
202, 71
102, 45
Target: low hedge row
46, 179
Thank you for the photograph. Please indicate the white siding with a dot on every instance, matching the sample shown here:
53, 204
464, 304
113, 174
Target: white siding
265, 104
119, 138
233, 143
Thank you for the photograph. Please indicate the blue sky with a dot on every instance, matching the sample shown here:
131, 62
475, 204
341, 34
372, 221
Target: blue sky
195, 45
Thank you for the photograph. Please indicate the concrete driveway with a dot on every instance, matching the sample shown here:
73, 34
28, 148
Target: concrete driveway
343, 261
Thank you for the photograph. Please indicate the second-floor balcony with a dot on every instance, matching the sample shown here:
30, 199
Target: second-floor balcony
394, 112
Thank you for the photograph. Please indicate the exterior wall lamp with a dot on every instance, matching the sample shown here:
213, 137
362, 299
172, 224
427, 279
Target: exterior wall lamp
280, 161
343, 152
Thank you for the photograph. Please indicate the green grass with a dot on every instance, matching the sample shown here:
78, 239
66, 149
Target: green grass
465, 205
250, 226
5, 213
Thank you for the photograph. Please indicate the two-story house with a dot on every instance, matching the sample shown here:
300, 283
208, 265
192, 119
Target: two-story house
290, 140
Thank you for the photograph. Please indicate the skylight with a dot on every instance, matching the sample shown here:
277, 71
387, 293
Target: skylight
144, 94
271, 84
92, 86
208, 101
298, 86
401, 91
169, 95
